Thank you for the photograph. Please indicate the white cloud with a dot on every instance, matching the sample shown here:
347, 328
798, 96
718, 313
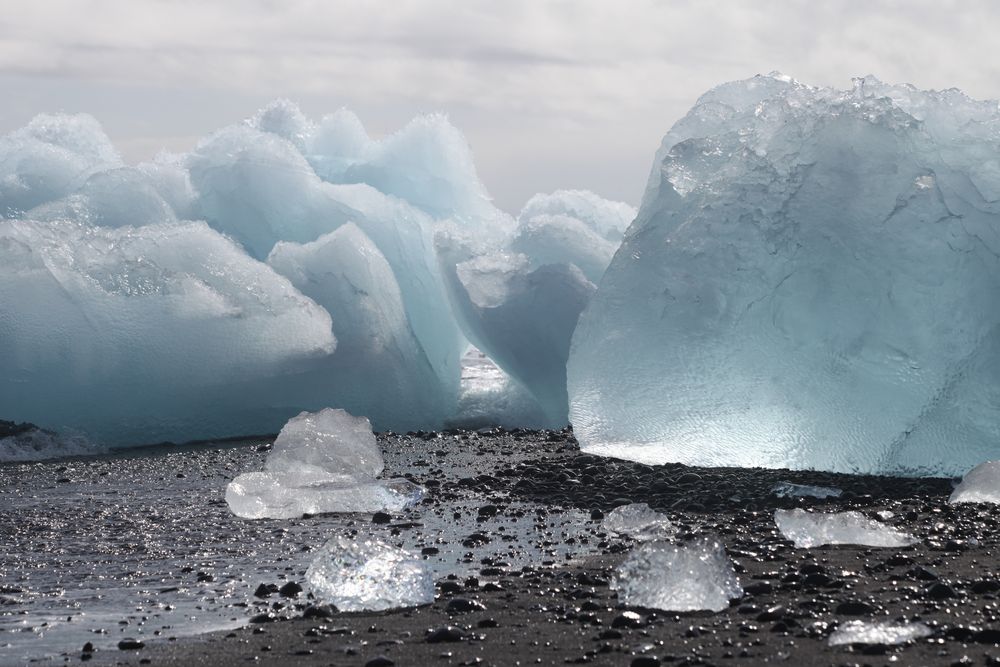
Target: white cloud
583, 88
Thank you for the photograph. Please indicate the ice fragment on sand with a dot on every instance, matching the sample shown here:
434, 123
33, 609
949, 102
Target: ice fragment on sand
980, 485
329, 441
789, 490
864, 632
639, 521
810, 283
321, 462
697, 575
366, 574
813, 529
265, 495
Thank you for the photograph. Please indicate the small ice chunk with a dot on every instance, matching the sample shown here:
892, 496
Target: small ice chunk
980, 485
321, 462
864, 632
808, 529
697, 575
265, 495
638, 520
368, 575
330, 441
789, 490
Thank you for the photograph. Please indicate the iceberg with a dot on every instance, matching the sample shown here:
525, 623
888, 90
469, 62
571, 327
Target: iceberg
49, 158
321, 462
366, 574
691, 577
146, 334
980, 485
522, 318
380, 369
887, 634
639, 521
809, 283
571, 227
814, 529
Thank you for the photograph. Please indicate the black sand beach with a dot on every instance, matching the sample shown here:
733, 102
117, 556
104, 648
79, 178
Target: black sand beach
139, 550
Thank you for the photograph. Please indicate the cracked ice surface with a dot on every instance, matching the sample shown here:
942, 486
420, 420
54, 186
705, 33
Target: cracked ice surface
321, 462
694, 576
980, 485
366, 574
639, 521
810, 283
814, 529
864, 632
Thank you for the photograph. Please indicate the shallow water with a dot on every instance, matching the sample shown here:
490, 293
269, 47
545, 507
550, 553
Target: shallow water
142, 544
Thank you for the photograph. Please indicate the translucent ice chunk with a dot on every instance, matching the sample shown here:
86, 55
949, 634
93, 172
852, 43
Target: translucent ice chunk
697, 575
789, 490
639, 521
329, 441
810, 283
813, 529
366, 574
866, 632
980, 485
289, 495
321, 462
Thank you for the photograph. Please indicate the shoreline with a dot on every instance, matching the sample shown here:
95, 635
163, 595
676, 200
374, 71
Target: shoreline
542, 576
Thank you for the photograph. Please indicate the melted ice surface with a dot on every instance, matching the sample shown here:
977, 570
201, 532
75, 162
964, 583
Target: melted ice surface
813, 529
690, 577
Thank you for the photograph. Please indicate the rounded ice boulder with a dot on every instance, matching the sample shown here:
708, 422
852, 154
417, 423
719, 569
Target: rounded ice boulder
811, 282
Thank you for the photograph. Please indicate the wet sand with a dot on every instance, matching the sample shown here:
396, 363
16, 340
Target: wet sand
512, 526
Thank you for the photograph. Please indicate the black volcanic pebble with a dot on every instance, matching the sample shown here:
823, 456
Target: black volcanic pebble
88, 648
463, 605
265, 590
290, 590
941, 591
380, 661
855, 608
448, 633
628, 619
381, 518
130, 644
645, 661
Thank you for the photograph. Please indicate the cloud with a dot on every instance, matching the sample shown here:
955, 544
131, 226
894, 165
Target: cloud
594, 80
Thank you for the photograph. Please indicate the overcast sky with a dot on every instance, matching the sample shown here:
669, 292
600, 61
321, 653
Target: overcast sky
573, 93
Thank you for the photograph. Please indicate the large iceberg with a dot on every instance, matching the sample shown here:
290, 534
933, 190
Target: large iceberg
321, 462
325, 234
143, 334
810, 283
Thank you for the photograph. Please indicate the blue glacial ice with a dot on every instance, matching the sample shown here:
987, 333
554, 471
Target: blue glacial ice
143, 334
810, 283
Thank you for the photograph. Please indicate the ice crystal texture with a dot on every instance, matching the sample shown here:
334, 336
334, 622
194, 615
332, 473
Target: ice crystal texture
814, 529
366, 574
690, 577
790, 490
638, 520
321, 462
887, 634
810, 283
980, 485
